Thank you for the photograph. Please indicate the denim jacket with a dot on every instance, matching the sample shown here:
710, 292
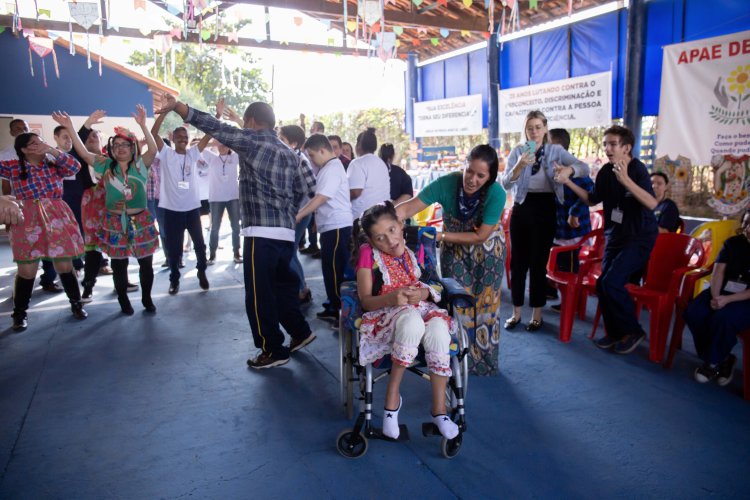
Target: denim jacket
553, 153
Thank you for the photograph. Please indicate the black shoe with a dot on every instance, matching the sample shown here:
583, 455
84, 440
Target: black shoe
20, 322
149, 306
328, 315
605, 342
165, 264
174, 288
182, 263
726, 370
316, 255
78, 311
297, 344
238, 259
310, 250
53, 288
557, 307
266, 360
211, 259
534, 325
125, 305
705, 373
202, 280
628, 345
132, 287
88, 292
511, 323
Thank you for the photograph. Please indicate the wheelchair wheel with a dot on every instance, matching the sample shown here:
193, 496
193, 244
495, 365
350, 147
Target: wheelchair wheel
450, 447
351, 445
345, 361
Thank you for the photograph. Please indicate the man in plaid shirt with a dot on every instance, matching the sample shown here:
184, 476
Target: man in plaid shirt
273, 185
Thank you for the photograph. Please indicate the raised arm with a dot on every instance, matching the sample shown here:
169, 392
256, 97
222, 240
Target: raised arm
410, 207
140, 119
63, 119
223, 110
95, 118
156, 128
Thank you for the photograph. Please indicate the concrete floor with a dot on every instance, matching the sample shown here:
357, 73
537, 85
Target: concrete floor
164, 407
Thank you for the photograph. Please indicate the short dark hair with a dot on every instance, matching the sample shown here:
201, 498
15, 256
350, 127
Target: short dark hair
662, 175
560, 136
262, 113
336, 138
624, 133
318, 141
14, 121
180, 129
294, 134
58, 129
367, 140
317, 124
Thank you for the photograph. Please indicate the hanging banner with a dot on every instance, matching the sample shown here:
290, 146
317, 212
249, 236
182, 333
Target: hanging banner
704, 109
584, 101
447, 117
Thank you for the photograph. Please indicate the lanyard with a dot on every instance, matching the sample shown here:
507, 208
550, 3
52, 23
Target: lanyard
223, 164
125, 175
402, 261
184, 160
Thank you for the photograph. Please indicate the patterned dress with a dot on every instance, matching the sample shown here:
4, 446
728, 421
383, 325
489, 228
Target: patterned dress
479, 268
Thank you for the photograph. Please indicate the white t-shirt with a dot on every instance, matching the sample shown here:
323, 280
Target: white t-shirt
203, 182
8, 154
333, 183
222, 176
179, 189
370, 174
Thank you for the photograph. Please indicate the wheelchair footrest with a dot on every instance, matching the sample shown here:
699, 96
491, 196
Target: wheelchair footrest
430, 430
403, 434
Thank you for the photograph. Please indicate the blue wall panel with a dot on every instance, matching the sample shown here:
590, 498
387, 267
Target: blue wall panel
457, 76
549, 56
623, 47
514, 63
659, 32
79, 91
433, 81
718, 17
479, 80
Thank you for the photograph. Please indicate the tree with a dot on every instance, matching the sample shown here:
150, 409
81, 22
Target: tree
201, 77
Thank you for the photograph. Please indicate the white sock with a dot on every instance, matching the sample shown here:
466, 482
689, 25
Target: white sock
390, 422
446, 426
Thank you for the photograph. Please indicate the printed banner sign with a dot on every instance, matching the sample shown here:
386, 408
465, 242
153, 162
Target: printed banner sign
584, 101
704, 110
448, 117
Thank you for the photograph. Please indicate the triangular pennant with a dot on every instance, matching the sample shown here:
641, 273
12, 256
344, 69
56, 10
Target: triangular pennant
298, 21
435, 42
351, 25
467, 3
398, 30
84, 13
444, 32
139, 4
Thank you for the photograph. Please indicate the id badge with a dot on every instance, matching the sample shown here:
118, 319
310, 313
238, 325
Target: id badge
183, 185
617, 216
735, 287
127, 193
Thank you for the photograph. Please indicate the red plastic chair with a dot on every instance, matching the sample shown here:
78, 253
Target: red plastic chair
505, 222
570, 284
597, 219
685, 296
673, 256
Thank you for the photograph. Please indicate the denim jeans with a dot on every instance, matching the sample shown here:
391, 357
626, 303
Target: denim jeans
295, 264
217, 213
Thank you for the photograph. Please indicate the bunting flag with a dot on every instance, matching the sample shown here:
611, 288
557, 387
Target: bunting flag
139, 4
467, 3
85, 14
43, 47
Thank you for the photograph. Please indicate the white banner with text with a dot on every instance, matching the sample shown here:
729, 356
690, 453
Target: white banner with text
448, 117
704, 109
584, 101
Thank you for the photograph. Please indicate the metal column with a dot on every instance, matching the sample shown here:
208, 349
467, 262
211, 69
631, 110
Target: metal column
493, 63
411, 92
633, 95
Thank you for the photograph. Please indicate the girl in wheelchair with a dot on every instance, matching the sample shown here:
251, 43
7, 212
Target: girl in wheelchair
401, 313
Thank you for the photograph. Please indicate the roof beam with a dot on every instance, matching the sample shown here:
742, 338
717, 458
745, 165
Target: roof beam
321, 7
30, 23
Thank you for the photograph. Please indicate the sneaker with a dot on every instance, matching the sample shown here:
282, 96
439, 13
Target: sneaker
105, 271
335, 324
211, 261
132, 287
237, 258
328, 315
266, 360
628, 344
726, 370
705, 373
297, 344
52, 288
605, 342
309, 250
86, 296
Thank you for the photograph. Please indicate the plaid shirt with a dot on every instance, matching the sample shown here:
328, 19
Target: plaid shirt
573, 205
154, 180
272, 183
43, 181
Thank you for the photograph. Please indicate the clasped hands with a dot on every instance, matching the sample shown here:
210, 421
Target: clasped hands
407, 296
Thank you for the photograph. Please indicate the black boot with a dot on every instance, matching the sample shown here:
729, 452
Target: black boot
120, 277
92, 264
21, 297
146, 274
70, 284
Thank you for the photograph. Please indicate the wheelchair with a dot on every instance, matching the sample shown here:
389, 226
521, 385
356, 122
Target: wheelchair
355, 378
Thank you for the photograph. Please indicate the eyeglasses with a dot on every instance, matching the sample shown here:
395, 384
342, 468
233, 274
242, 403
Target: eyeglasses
122, 145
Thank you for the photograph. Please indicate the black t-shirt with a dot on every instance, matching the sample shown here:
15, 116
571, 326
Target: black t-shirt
637, 220
667, 215
400, 182
736, 255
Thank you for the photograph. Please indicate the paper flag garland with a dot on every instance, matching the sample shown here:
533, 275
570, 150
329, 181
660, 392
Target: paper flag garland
435, 42
43, 47
467, 3
351, 25
444, 32
85, 14
369, 11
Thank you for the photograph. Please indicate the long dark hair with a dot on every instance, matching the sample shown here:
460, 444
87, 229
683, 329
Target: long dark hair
372, 215
487, 154
22, 141
387, 153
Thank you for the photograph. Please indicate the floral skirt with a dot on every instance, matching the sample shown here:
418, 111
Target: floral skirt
92, 214
48, 231
138, 237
